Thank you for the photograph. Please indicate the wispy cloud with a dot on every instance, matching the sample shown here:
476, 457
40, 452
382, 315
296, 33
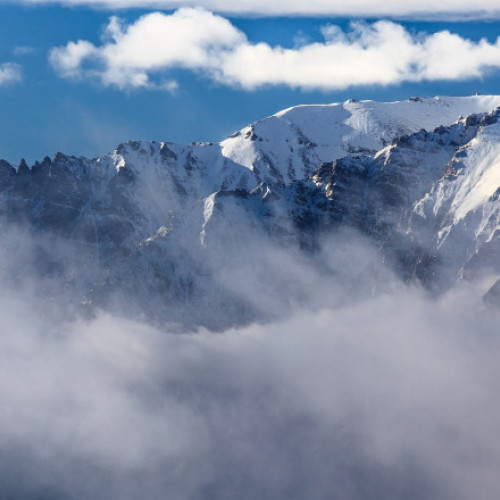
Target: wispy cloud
465, 8
10, 73
139, 55
22, 50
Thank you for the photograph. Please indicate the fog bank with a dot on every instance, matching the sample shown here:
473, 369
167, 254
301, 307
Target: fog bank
390, 397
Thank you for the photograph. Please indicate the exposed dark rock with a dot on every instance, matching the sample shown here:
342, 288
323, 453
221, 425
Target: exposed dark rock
492, 298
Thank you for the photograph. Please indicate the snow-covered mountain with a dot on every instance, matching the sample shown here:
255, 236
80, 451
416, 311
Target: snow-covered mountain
177, 232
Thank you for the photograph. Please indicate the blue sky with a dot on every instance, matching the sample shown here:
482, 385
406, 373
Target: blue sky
55, 101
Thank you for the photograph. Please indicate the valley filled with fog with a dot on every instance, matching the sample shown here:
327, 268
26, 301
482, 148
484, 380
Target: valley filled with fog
349, 394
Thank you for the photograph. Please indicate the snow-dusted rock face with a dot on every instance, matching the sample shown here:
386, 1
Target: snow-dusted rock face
464, 203
174, 231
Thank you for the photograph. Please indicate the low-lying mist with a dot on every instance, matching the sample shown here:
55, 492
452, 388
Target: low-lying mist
361, 387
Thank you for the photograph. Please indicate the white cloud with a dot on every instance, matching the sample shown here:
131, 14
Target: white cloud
69, 60
189, 38
464, 8
10, 73
137, 55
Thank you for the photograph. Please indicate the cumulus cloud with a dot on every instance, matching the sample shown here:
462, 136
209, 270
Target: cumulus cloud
460, 8
10, 73
189, 38
139, 55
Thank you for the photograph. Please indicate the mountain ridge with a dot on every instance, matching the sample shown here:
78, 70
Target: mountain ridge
157, 224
